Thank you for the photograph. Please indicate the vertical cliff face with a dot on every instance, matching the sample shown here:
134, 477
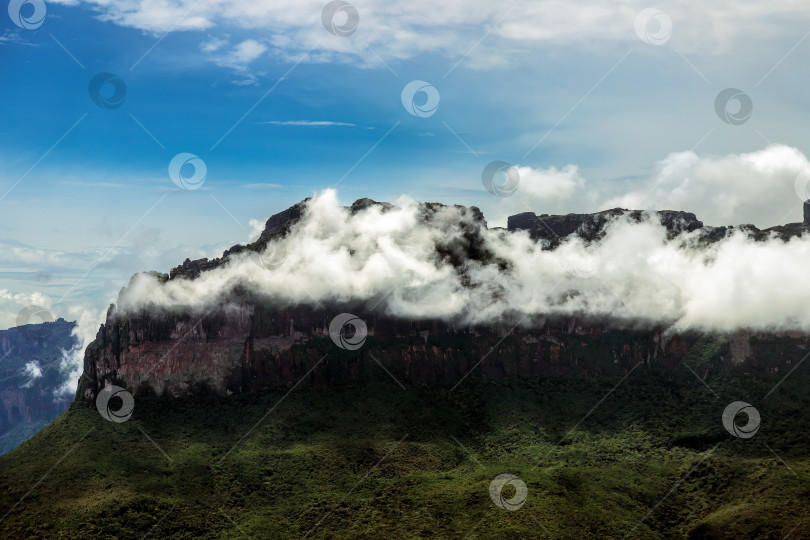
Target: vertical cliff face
242, 348
167, 353
31, 374
248, 343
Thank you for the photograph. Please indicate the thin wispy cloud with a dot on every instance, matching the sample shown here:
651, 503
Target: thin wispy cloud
94, 184
451, 28
308, 123
237, 57
262, 186
14, 37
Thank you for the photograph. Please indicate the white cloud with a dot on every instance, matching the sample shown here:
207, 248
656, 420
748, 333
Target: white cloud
238, 57
22, 256
308, 123
451, 28
256, 229
262, 186
552, 183
87, 318
214, 44
94, 184
635, 273
72, 363
247, 51
547, 191
13, 304
14, 36
32, 370
755, 187
67, 284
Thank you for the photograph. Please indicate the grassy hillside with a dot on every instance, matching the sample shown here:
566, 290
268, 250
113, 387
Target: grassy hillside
381, 462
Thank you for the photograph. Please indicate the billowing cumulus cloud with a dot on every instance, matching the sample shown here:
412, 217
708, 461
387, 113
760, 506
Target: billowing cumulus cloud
634, 274
756, 187
12, 305
761, 187
550, 191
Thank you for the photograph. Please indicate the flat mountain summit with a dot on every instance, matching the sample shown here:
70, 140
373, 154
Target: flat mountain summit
246, 341
336, 417
544, 227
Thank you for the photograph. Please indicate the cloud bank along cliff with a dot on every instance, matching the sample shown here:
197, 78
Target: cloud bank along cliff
429, 261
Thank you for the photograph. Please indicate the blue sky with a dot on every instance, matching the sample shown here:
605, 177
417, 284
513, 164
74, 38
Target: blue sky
280, 109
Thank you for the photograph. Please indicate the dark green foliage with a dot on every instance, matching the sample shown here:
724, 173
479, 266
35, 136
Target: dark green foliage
649, 461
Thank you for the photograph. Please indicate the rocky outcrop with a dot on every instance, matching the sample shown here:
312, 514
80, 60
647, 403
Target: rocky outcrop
280, 224
552, 229
591, 227
251, 344
740, 347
